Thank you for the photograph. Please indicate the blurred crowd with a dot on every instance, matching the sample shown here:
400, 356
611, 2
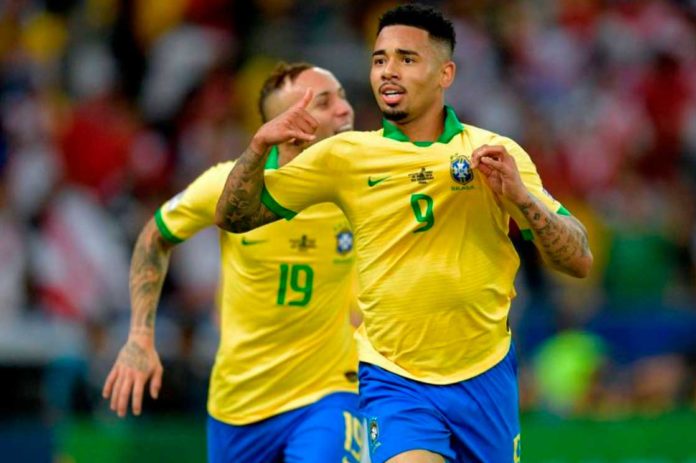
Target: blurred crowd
109, 107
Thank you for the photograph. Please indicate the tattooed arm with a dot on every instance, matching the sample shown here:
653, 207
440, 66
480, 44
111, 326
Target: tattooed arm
239, 208
138, 360
561, 240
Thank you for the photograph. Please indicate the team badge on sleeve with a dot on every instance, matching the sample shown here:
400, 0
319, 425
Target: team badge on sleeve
344, 241
460, 168
374, 433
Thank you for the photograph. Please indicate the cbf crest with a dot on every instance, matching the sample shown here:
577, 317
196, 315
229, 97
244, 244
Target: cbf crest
373, 434
344, 241
460, 169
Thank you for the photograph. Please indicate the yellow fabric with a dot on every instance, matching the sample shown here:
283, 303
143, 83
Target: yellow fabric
435, 294
276, 353
154, 18
45, 36
532, 181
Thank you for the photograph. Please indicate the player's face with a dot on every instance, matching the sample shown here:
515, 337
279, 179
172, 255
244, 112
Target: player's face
409, 72
329, 107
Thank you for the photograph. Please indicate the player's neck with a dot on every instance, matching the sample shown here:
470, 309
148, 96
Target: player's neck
287, 152
427, 126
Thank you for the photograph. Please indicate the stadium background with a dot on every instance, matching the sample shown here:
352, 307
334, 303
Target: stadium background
109, 107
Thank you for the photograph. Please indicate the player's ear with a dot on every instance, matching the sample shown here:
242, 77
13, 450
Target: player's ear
447, 73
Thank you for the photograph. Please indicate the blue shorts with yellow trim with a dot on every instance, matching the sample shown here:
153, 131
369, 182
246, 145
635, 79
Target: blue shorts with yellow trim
474, 421
329, 430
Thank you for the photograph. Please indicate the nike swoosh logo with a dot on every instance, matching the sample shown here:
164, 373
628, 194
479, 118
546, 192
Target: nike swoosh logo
371, 182
246, 242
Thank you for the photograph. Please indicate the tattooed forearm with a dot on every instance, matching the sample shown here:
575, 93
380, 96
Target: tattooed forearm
562, 240
239, 208
147, 273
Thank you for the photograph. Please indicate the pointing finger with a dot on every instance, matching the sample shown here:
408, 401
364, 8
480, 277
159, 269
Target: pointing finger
306, 99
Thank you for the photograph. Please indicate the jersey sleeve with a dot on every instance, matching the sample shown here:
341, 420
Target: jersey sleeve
532, 182
308, 179
193, 209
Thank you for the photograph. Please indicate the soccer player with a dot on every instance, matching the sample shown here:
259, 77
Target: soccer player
429, 200
284, 383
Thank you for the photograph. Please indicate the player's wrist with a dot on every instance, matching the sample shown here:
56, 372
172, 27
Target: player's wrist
521, 198
143, 336
258, 146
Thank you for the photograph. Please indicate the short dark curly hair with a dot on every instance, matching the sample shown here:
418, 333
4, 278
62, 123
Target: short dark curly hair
282, 73
423, 17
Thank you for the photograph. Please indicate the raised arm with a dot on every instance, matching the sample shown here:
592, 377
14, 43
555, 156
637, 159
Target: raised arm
239, 208
138, 361
561, 240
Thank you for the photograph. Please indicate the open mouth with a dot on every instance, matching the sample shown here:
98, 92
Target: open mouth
344, 128
392, 94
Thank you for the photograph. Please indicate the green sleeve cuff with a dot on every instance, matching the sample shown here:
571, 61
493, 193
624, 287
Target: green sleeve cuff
164, 230
275, 207
528, 235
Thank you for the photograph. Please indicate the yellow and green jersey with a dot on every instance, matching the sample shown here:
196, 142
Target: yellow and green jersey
436, 266
285, 295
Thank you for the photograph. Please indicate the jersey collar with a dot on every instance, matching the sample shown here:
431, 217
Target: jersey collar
272, 160
452, 128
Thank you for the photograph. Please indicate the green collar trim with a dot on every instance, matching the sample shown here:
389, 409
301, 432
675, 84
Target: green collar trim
272, 160
266, 198
275, 207
452, 127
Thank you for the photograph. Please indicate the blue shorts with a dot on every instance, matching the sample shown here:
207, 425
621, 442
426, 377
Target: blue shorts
315, 433
476, 420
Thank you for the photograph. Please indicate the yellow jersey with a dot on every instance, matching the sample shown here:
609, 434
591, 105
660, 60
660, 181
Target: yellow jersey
435, 264
285, 296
